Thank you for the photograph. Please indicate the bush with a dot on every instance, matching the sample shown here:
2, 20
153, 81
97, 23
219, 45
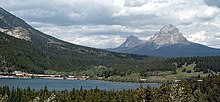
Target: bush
188, 71
184, 70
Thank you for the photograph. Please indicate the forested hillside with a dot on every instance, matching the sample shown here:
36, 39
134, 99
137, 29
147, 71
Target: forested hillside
17, 54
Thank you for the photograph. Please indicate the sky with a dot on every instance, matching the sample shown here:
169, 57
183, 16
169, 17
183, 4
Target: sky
107, 23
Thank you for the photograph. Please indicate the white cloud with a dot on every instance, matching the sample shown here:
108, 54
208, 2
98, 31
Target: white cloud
102, 36
101, 41
199, 37
105, 21
208, 13
202, 37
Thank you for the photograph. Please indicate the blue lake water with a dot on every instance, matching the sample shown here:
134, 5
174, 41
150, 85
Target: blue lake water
70, 84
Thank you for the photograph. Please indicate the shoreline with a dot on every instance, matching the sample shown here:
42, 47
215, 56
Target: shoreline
64, 78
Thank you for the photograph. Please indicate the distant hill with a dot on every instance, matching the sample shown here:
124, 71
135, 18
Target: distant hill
168, 42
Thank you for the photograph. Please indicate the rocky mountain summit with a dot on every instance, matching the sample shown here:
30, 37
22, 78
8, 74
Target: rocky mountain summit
131, 42
168, 35
167, 42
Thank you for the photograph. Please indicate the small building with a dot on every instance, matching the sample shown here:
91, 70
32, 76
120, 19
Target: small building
21, 74
143, 79
176, 81
71, 76
100, 78
55, 75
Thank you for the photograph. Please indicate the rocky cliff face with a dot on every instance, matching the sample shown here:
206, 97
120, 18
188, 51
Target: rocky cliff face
168, 35
17, 32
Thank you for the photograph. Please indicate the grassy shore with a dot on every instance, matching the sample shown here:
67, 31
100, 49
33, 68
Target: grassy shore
164, 76
185, 72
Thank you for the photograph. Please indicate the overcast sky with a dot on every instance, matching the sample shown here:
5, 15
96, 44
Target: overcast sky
106, 23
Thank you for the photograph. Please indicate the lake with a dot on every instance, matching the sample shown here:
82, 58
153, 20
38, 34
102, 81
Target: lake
53, 84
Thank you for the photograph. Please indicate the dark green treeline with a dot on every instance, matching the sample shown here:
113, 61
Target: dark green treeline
187, 91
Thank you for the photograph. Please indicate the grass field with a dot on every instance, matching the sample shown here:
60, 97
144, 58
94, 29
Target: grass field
180, 75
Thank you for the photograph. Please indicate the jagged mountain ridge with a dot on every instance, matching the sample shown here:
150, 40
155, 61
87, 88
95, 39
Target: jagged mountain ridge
169, 42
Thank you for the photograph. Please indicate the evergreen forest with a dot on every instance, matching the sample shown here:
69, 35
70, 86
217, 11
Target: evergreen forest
186, 91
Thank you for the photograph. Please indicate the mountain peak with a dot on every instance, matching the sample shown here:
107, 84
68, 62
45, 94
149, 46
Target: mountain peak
168, 35
169, 26
131, 41
169, 29
132, 37
167, 42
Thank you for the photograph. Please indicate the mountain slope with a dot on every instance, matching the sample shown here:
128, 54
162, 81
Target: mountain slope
17, 54
169, 42
57, 54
